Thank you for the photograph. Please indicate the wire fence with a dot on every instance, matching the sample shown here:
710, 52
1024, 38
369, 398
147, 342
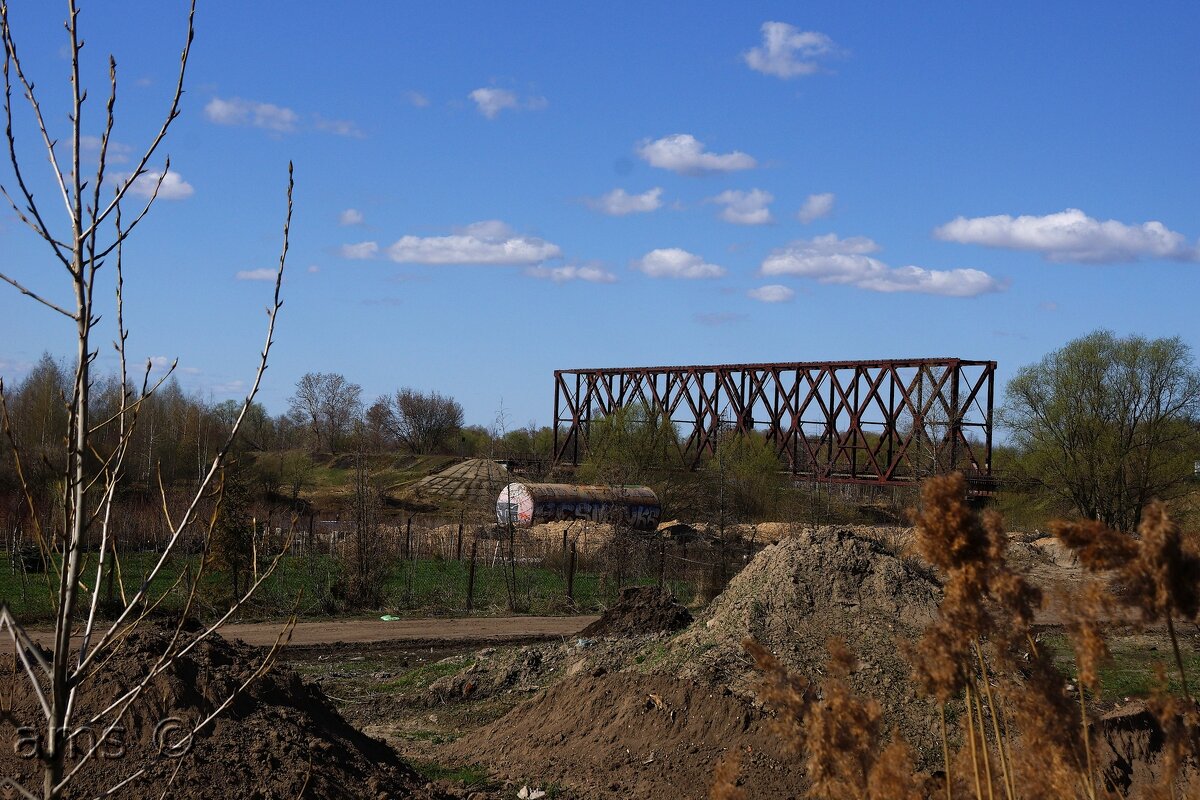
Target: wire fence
424, 564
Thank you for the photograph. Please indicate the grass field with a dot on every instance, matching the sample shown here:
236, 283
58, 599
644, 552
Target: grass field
309, 585
1130, 672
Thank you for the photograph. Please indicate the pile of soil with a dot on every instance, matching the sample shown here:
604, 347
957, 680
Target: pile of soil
625, 735
489, 673
656, 725
1130, 749
775, 532
640, 610
280, 738
794, 596
494, 671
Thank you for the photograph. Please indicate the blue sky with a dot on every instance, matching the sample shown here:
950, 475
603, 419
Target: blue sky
489, 192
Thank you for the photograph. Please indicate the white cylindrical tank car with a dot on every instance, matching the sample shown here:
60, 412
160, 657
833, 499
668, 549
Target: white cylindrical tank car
527, 504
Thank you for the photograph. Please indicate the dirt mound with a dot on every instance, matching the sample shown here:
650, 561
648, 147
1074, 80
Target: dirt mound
280, 738
490, 672
795, 595
641, 609
646, 736
1130, 752
657, 727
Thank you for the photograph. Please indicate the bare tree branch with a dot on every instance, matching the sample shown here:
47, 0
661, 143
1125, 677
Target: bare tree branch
38, 297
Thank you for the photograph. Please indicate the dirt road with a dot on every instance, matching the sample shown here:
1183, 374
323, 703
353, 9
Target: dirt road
443, 629
418, 630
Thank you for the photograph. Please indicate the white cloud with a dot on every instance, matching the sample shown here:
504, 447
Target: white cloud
683, 153
487, 242
313, 269
772, 293
117, 153
416, 99
788, 52
351, 216
263, 274
359, 251
491, 101
618, 202
672, 262
827, 259
816, 206
228, 388
572, 272
339, 127
1071, 235
174, 187
236, 111
745, 208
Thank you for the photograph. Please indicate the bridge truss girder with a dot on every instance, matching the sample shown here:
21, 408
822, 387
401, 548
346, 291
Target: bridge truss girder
875, 422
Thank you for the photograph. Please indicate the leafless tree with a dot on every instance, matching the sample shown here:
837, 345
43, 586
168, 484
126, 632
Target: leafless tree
377, 423
422, 421
88, 246
364, 559
330, 405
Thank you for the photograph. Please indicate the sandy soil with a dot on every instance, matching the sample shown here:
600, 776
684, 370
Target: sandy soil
482, 630
441, 629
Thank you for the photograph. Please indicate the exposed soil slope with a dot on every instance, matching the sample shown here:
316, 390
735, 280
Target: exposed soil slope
625, 735
796, 595
657, 728
281, 738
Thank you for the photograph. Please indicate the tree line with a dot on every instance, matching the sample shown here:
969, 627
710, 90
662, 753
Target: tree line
178, 431
1098, 428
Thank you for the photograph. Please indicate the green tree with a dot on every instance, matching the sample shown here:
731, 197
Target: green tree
1108, 423
632, 445
749, 477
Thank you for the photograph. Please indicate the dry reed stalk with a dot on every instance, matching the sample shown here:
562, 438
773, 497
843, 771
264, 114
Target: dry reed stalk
981, 648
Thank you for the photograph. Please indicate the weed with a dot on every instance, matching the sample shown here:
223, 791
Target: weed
421, 677
1011, 727
470, 776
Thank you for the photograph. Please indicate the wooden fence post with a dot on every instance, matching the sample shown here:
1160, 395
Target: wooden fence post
461, 519
571, 576
662, 562
471, 579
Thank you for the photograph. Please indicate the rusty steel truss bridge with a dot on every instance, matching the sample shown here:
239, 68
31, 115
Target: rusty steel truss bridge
865, 422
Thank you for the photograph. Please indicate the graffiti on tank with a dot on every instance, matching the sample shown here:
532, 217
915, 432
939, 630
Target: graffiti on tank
645, 517
508, 512
638, 516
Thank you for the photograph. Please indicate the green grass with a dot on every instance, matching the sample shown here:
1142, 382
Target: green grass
436, 584
423, 676
470, 776
307, 585
1131, 670
329, 479
297, 584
